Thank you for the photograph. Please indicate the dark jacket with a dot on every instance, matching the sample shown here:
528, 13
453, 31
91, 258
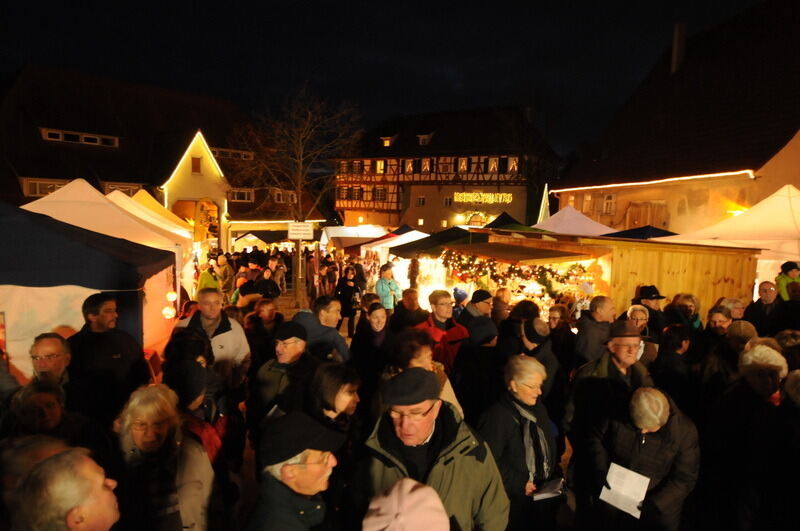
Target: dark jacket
563, 340
322, 340
348, 296
470, 312
279, 507
509, 343
369, 359
477, 379
672, 374
268, 288
763, 316
107, 364
592, 336
670, 457
787, 316
261, 340
403, 318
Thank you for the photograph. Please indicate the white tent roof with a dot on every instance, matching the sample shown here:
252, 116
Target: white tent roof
123, 200
773, 224
570, 221
388, 243
150, 202
363, 232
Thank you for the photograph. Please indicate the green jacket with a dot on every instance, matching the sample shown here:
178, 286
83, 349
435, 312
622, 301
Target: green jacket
464, 474
782, 282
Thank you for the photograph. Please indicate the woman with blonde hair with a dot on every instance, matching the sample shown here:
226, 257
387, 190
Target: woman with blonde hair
167, 477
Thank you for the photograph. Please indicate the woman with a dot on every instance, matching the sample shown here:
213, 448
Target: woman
370, 349
367, 300
266, 286
562, 337
639, 315
521, 436
388, 289
167, 479
735, 306
414, 348
684, 310
349, 295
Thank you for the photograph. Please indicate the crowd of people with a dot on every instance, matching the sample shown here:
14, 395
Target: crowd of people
478, 414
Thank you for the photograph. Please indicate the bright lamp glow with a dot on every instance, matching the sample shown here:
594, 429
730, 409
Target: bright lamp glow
168, 312
172, 296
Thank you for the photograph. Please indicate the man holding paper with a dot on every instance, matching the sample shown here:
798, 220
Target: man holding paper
645, 465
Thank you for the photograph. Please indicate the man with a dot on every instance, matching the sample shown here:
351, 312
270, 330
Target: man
254, 270
66, 491
281, 384
650, 298
601, 390
297, 457
50, 357
443, 329
106, 364
260, 326
762, 311
671, 370
479, 305
225, 276
227, 337
407, 313
667, 452
593, 328
320, 323
423, 438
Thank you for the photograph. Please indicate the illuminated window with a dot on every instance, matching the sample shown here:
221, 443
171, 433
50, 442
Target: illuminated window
463, 164
379, 194
493, 165
361, 219
571, 200
342, 166
291, 197
196, 164
444, 223
41, 187
609, 204
420, 222
277, 196
513, 164
125, 188
448, 201
587, 203
387, 141
380, 166
409, 166
75, 137
358, 192
341, 192
357, 166
241, 195
421, 201
426, 165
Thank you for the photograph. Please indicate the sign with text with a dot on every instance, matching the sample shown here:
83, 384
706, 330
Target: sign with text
301, 231
486, 198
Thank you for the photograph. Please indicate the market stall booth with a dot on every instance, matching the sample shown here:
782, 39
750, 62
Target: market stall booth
50, 267
266, 239
570, 221
544, 267
344, 237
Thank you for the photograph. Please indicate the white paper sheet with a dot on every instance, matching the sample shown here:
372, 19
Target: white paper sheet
551, 489
627, 491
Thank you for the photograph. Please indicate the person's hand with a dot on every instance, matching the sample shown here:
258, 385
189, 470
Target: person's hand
530, 488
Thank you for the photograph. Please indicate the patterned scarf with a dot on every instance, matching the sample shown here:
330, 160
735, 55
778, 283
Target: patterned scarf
537, 451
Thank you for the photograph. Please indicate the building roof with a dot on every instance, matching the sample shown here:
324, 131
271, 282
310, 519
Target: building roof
487, 131
733, 104
154, 125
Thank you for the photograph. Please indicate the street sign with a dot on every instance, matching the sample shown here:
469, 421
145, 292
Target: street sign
301, 231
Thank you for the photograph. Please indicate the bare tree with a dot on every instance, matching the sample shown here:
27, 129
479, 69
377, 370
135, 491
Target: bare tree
292, 151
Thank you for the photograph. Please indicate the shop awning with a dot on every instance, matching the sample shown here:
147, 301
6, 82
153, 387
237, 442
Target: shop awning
275, 236
513, 254
433, 244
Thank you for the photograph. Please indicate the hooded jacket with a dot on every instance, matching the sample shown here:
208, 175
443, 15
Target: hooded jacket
321, 339
592, 336
464, 473
447, 341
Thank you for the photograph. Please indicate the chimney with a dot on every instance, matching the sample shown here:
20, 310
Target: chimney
678, 46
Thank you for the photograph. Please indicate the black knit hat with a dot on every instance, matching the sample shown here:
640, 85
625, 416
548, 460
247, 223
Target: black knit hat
291, 434
289, 330
187, 378
480, 295
788, 266
410, 387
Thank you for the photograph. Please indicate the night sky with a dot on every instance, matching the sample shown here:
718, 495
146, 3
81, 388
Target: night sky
575, 62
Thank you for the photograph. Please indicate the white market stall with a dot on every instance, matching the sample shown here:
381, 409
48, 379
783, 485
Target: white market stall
151, 203
570, 221
343, 237
383, 247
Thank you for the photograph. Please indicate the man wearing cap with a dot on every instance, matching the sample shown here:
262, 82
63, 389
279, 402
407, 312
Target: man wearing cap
479, 304
790, 272
424, 438
281, 384
650, 298
601, 390
296, 453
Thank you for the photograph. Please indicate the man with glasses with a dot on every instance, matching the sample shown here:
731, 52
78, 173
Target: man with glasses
443, 329
296, 454
762, 312
479, 305
424, 438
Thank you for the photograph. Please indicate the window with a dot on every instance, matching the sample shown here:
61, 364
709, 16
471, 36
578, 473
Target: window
72, 137
484, 166
380, 166
386, 141
342, 166
241, 195
379, 194
571, 200
493, 165
291, 197
424, 140
409, 166
40, 188
587, 203
426, 165
358, 193
196, 167
609, 204
127, 189
75, 137
277, 196
463, 164
341, 192
228, 153
513, 164
444, 223
448, 201
420, 200
420, 222
367, 165
357, 166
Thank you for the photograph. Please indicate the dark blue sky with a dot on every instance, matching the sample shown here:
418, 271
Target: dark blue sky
576, 62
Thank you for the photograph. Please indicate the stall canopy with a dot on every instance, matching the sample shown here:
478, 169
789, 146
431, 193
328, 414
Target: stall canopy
503, 220
570, 221
124, 201
434, 244
342, 237
151, 203
641, 233
772, 224
274, 236
512, 254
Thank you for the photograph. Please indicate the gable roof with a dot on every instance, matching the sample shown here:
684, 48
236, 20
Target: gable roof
154, 126
570, 221
732, 105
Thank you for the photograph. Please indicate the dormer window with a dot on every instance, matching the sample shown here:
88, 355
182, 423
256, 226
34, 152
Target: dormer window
77, 137
387, 141
424, 140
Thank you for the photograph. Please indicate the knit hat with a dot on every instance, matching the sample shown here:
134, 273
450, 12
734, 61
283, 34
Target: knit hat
480, 295
187, 378
410, 387
788, 266
291, 434
289, 330
459, 295
481, 330
407, 506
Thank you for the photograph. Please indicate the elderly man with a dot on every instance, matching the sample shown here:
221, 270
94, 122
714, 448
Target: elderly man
443, 329
407, 313
296, 453
601, 390
424, 438
762, 311
479, 305
106, 364
658, 441
225, 275
650, 298
66, 491
593, 329
321, 325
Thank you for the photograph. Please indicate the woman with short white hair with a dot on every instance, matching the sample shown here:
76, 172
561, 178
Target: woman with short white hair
168, 477
648, 351
522, 439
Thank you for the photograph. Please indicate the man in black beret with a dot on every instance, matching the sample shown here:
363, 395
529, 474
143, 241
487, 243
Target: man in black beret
424, 438
281, 384
296, 453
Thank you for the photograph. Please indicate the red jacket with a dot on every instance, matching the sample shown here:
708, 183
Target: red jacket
447, 341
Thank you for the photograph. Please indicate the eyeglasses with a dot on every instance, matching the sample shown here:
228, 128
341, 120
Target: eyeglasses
396, 415
141, 425
444, 303
279, 343
47, 357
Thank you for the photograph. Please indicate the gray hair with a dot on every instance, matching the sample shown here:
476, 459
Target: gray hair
150, 401
791, 387
50, 490
50, 335
638, 308
598, 302
520, 368
275, 470
761, 356
649, 408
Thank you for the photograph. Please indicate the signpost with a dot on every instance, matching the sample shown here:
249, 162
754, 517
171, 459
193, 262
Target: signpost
300, 231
